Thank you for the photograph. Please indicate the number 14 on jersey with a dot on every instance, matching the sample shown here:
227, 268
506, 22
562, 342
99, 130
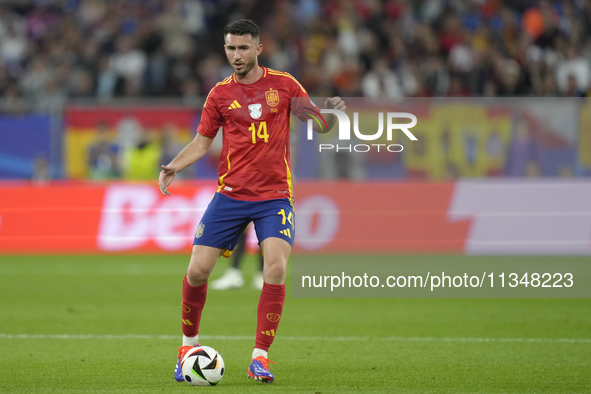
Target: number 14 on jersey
261, 133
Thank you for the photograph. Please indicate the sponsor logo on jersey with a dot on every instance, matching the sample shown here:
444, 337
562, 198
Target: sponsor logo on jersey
273, 317
234, 105
272, 97
200, 230
255, 110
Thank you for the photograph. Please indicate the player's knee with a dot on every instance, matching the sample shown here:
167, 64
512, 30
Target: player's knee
196, 275
275, 270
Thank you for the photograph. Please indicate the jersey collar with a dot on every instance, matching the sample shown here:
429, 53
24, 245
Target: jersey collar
264, 75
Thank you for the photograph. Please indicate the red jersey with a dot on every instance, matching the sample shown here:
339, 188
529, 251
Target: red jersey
255, 160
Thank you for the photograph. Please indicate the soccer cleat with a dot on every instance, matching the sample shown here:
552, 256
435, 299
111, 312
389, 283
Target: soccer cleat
178, 373
232, 279
259, 370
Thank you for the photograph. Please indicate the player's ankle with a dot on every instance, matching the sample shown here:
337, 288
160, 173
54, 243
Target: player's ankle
190, 341
259, 353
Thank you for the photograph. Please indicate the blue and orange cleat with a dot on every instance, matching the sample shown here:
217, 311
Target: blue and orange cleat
178, 373
259, 370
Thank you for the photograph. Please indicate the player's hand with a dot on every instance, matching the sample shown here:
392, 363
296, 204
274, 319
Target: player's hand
335, 103
165, 179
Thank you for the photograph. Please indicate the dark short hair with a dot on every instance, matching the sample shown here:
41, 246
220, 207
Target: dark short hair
242, 27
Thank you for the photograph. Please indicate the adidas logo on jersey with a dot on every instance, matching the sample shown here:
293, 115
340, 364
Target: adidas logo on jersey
235, 105
286, 232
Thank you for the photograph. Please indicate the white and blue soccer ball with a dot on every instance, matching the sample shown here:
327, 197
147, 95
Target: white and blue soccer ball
202, 366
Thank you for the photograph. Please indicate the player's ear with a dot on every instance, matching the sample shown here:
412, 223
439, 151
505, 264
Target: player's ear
259, 49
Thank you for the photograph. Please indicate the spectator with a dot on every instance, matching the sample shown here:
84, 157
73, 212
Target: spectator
381, 81
107, 79
129, 62
149, 48
13, 101
41, 172
103, 156
573, 66
141, 160
12, 46
52, 99
572, 89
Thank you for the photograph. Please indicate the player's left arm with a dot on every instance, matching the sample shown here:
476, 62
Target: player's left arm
301, 105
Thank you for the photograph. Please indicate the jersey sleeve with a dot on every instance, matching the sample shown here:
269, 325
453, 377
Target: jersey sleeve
301, 104
211, 117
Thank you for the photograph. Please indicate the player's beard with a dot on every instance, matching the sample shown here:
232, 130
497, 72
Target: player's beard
247, 66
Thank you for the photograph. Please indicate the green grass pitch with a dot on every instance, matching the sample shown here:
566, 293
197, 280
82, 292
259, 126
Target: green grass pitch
72, 324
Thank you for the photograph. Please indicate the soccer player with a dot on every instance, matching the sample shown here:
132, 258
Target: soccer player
253, 108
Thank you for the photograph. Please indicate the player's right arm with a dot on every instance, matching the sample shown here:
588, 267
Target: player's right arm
194, 151
211, 120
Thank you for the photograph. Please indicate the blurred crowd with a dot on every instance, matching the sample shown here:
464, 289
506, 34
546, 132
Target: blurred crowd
132, 152
53, 51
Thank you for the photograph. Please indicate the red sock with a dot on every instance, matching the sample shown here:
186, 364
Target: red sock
193, 302
269, 314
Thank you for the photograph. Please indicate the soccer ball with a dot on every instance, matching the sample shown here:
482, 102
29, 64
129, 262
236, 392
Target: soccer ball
202, 366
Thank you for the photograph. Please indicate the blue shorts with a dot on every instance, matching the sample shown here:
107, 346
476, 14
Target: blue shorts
225, 219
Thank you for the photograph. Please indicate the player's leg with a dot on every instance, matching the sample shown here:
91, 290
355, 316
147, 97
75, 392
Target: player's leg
232, 278
276, 253
275, 230
203, 259
218, 232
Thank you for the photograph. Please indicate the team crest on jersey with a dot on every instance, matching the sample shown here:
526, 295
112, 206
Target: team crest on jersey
255, 110
272, 97
200, 229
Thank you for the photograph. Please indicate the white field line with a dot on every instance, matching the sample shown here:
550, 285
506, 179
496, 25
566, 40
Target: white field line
301, 338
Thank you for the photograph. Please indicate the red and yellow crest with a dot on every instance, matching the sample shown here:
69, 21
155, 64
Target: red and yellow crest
273, 317
272, 97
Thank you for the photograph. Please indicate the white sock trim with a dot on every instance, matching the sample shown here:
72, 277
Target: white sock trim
259, 352
190, 341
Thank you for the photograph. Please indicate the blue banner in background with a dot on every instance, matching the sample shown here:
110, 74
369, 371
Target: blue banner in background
25, 146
